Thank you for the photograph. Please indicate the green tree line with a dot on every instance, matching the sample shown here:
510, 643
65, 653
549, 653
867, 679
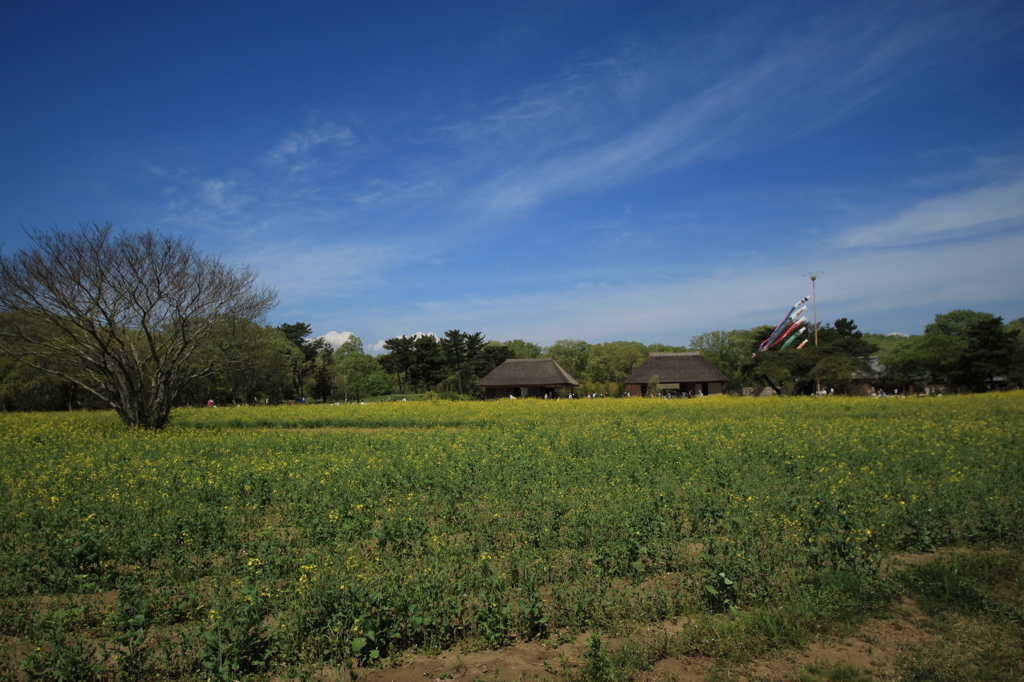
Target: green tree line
142, 322
962, 350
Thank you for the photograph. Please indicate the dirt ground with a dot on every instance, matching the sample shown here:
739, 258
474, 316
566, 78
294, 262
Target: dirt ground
874, 648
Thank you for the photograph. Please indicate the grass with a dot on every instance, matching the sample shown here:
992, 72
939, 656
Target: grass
974, 601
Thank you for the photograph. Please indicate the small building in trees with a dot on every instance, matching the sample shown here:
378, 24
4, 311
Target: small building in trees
677, 373
527, 378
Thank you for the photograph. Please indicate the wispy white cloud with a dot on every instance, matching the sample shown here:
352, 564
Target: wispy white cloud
304, 269
222, 195
166, 173
378, 192
296, 145
549, 113
353, 225
208, 205
963, 213
807, 78
919, 281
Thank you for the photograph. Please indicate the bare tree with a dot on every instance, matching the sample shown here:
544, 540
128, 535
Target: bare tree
130, 317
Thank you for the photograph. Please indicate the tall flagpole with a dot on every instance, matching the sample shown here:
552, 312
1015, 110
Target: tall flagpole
814, 302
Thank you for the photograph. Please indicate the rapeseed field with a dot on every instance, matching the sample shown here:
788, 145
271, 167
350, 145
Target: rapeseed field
254, 541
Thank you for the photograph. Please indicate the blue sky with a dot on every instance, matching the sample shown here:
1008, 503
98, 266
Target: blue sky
539, 170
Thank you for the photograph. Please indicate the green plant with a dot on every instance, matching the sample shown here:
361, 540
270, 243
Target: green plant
236, 641
130, 655
365, 646
721, 593
945, 587
535, 622
492, 617
64, 657
597, 665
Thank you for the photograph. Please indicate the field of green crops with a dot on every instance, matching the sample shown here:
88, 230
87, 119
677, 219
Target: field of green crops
258, 541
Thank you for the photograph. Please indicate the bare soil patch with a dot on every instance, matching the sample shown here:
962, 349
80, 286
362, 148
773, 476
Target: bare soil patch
874, 648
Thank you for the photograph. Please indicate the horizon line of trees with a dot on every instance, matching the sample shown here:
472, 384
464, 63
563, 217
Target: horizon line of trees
142, 322
962, 350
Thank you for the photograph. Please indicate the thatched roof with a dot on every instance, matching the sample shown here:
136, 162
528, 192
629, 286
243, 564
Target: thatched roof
528, 372
671, 368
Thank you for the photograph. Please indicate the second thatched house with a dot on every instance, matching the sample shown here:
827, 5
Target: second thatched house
677, 373
522, 378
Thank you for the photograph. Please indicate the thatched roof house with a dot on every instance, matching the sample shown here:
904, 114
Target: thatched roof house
677, 373
523, 378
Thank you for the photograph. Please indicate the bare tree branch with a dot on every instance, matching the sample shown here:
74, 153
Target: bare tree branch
126, 316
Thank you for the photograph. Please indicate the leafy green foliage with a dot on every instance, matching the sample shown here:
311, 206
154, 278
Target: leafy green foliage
452, 363
357, 375
255, 366
728, 351
571, 355
841, 354
613, 362
313, 363
963, 349
523, 349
